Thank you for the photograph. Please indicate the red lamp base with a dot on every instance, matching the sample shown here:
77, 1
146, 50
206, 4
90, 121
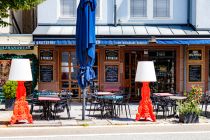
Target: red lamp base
145, 109
21, 110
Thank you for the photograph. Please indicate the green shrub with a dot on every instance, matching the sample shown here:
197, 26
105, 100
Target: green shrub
9, 89
191, 105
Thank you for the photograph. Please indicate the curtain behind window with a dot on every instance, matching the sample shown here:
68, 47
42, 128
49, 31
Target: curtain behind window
138, 8
161, 8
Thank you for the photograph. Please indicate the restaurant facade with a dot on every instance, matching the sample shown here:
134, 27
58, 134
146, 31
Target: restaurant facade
180, 60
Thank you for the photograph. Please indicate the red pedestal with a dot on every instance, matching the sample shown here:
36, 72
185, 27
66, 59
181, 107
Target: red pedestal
145, 109
21, 110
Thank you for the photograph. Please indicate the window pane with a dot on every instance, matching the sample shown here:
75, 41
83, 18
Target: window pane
65, 59
74, 72
161, 8
68, 8
138, 8
65, 73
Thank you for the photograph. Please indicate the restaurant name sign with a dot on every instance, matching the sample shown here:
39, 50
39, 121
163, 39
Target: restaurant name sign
16, 47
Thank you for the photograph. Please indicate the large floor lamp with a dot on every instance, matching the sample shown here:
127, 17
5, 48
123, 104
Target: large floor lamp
21, 71
145, 73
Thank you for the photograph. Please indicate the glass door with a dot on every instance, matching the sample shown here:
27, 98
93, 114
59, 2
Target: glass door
131, 59
68, 73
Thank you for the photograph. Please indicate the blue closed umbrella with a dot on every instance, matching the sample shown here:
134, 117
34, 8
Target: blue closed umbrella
85, 44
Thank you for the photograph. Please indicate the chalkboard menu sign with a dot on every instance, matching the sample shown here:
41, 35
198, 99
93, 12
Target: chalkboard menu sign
195, 54
46, 73
46, 55
111, 73
195, 73
111, 54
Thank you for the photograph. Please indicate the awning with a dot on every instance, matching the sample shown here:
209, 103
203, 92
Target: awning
98, 42
183, 41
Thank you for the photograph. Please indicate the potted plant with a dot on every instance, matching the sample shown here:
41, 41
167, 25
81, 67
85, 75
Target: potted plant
189, 110
9, 92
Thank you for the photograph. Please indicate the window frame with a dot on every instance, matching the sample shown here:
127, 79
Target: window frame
138, 17
169, 10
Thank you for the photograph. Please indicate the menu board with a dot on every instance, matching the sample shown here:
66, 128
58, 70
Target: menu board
195, 54
111, 73
194, 73
46, 73
46, 55
111, 54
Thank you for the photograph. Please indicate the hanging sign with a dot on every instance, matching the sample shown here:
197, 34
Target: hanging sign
16, 47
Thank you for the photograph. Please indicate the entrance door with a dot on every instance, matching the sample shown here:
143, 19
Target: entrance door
131, 59
68, 72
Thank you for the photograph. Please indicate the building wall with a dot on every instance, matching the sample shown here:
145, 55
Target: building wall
200, 14
48, 13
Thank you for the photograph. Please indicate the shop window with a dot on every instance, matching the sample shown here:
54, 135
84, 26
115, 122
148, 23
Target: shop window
4, 71
112, 55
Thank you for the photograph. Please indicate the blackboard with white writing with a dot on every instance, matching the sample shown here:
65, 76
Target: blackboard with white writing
111, 73
46, 73
194, 73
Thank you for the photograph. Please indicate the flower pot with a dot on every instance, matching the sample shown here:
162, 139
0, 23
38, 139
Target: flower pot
9, 104
189, 118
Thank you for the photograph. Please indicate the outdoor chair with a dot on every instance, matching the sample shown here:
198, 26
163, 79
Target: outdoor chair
205, 101
34, 101
63, 104
164, 104
124, 102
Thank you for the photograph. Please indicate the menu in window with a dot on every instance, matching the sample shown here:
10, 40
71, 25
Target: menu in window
195, 54
46, 55
194, 73
46, 73
111, 73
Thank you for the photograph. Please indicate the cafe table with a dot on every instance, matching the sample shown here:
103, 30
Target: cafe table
47, 102
163, 94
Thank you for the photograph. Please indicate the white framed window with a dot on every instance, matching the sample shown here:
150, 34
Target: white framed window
68, 8
161, 8
138, 8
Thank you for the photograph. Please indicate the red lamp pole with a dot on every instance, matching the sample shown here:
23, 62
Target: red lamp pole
21, 110
145, 109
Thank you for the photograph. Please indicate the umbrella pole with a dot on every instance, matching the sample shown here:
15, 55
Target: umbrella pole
83, 104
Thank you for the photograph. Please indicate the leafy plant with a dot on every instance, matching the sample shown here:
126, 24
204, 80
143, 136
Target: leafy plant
191, 105
9, 89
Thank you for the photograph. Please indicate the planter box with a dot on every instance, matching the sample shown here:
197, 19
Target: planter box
9, 104
189, 118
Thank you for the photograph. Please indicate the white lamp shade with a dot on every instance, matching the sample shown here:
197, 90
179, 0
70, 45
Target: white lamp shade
20, 70
145, 72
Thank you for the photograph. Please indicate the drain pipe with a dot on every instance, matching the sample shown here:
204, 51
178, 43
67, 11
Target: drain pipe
185, 69
115, 13
188, 12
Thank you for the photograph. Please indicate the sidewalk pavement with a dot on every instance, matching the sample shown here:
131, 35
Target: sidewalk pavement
90, 120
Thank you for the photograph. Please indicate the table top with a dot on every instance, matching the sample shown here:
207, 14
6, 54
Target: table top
178, 97
163, 94
49, 98
104, 93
